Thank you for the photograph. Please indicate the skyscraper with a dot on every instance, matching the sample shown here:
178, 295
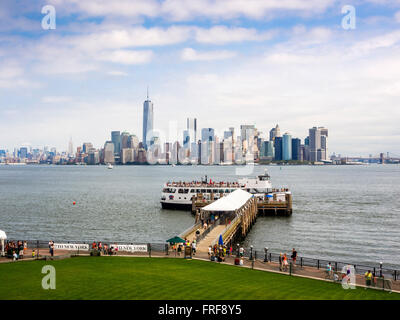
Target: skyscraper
147, 121
318, 143
274, 132
109, 152
191, 126
278, 148
286, 146
207, 134
116, 140
70, 147
296, 149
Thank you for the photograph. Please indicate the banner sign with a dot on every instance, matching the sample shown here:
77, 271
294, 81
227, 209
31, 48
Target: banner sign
71, 246
130, 247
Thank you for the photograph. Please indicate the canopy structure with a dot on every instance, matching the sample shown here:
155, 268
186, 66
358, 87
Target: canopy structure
176, 240
231, 202
3, 237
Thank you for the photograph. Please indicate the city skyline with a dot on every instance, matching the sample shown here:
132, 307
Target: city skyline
290, 63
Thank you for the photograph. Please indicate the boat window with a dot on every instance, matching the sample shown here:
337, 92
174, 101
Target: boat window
208, 190
192, 191
227, 191
165, 190
232, 190
172, 190
215, 190
186, 191
203, 191
198, 191
180, 190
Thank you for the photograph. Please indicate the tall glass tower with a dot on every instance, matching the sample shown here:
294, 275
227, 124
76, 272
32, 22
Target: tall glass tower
147, 121
287, 146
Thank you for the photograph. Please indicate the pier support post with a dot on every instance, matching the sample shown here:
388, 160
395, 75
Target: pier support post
149, 248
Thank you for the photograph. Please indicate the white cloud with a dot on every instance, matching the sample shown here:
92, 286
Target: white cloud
56, 99
189, 54
117, 73
223, 35
127, 56
397, 16
183, 10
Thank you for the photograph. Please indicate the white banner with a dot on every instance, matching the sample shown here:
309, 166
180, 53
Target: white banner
71, 246
130, 247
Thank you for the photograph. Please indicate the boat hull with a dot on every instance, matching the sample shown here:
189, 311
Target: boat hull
176, 206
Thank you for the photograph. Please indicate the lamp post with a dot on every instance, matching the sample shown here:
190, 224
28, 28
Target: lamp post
380, 269
237, 253
266, 254
251, 252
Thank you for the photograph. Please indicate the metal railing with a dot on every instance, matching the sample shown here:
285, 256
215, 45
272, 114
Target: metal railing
208, 230
228, 229
337, 266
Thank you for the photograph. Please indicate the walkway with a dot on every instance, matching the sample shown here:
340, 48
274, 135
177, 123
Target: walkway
203, 245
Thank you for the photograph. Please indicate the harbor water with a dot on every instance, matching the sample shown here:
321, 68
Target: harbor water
342, 213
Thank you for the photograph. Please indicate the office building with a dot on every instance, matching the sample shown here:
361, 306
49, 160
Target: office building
191, 127
207, 134
278, 148
116, 140
296, 149
318, 141
148, 124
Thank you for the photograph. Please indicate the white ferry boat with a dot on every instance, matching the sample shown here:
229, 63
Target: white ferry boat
178, 195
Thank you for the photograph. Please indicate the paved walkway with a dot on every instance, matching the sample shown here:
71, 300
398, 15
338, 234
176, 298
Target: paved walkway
203, 245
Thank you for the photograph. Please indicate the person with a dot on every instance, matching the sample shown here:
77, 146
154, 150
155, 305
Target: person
328, 270
285, 262
52, 249
294, 256
280, 261
209, 251
194, 247
230, 250
33, 253
15, 256
368, 278
179, 249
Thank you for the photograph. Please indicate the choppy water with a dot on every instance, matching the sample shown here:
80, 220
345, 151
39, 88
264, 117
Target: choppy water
347, 213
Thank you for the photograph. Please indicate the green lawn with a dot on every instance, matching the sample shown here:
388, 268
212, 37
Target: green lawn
162, 278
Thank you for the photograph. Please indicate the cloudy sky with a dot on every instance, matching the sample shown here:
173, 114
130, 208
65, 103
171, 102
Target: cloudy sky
224, 62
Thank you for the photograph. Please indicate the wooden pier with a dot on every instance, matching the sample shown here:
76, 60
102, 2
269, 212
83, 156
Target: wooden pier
231, 216
279, 203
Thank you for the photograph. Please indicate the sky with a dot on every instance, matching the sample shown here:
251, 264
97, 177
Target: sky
226, 63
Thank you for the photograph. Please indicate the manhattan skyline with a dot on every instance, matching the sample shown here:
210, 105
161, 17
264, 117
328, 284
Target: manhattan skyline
253, 63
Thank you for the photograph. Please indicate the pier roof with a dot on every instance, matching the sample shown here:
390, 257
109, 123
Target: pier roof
231, 202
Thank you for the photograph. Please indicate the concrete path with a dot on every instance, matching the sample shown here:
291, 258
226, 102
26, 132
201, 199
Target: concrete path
214, 234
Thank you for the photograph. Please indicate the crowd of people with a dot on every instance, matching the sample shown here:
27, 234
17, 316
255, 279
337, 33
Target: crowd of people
104, 249
179, 247
219, 252
15, 249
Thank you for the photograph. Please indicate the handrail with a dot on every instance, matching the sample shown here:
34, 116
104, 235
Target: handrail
205, 233
233, 224
190, 229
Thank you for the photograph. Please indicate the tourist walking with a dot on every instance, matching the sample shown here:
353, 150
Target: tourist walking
194, 247
280, 261
368, 278
285, 262
294, 256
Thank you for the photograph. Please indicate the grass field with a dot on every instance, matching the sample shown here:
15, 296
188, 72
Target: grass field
162, 278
